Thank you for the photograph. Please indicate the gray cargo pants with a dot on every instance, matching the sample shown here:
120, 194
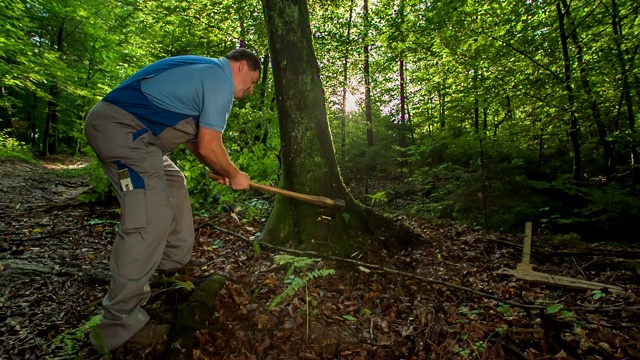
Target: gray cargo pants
156, 230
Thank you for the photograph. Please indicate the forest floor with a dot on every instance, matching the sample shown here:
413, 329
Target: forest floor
444, 298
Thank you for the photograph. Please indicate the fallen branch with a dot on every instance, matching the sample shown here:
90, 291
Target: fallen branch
58, 233
424, 279
625, 254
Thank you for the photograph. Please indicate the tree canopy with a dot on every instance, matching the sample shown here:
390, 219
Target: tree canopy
491, 112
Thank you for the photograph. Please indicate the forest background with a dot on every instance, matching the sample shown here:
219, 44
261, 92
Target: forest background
490, 113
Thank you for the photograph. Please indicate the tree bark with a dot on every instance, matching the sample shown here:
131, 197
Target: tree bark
308, 157
573, 130
402, 124
345, 79
50, 138
367, 76
607, 149
262, 127
626, 89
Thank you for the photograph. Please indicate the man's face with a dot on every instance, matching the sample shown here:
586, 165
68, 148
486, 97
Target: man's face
247, 79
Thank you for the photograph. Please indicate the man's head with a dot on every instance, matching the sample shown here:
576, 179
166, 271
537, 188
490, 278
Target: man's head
245, 70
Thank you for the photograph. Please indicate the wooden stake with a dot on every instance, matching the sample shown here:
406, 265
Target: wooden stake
524, 271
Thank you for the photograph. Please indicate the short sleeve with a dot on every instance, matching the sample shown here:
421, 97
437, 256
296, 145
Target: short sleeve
217, 100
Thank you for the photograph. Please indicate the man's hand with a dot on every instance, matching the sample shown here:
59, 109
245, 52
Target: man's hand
238, 182
210, 150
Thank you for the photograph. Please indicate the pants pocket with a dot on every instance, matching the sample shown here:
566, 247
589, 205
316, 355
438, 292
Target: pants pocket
134, 209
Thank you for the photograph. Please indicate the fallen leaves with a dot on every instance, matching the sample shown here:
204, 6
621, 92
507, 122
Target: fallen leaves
360, 313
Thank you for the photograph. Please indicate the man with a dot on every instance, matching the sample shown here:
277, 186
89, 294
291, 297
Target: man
183, 99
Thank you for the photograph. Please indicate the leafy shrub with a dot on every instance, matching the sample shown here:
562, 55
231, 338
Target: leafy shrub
102, 188
14, 149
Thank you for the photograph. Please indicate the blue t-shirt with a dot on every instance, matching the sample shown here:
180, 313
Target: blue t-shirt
166, 92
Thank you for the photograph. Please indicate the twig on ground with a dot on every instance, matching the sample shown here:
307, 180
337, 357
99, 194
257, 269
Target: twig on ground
424, 279
57, 233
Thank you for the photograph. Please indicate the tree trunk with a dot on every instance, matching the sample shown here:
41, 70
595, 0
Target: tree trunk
476, 103
262, 132
573, 130
53, 120
626, 89
33, 124
441, 108
586, 85
367, 77
308, 157
402, 124
476, 114
50, 138
46, 132
345, 79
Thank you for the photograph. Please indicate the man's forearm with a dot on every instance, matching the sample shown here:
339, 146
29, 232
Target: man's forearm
215, 158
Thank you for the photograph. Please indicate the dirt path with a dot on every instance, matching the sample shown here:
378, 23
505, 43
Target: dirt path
54, 272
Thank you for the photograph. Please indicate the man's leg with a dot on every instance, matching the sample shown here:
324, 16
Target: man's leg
147, 215
135, 255
180, 241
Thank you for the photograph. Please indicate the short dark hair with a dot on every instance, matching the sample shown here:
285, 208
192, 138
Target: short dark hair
243, 54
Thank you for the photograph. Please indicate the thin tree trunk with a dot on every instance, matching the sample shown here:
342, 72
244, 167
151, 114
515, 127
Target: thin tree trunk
367, 78
476, 103
262, 133
626, 91
33, 123
476, 114
508, 114
573, 130
441, 108
345, 79
402, 124
540, 147
485, 122
586, 85
50, 139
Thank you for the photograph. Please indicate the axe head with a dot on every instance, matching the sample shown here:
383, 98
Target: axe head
338, 202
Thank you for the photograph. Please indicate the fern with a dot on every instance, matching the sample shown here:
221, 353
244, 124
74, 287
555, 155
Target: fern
294, 261
175, 283
297, 283
319, 273
72, 338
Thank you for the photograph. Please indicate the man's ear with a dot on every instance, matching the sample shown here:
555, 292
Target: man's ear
242, 65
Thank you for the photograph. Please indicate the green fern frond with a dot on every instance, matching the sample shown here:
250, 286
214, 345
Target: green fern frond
297, 283
295, 262
176, 283
318, 273
73, 337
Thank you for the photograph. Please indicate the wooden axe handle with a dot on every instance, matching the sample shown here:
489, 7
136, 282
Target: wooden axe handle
312, 199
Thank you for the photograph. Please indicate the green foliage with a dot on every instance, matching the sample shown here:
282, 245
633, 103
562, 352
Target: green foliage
598, 294
379, 196
349, 318
174, 283
102, 188
504, 310
486, 107
475, 179
71, 339
296, 282
596, 210
461, 351
554, 308
13, 149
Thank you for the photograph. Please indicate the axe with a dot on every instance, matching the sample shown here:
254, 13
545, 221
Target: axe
311, 199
